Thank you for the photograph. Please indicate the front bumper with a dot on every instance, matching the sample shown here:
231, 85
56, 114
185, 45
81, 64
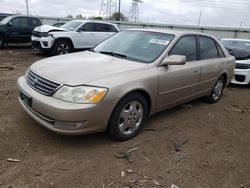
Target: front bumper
241, 76
42, 43
63, 117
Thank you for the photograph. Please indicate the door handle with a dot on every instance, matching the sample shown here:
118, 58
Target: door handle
196, 70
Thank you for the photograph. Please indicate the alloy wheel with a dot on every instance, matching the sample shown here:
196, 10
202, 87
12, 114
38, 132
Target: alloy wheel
130, 118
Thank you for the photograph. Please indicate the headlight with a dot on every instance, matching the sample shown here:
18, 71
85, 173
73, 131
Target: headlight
81, 94
46, 35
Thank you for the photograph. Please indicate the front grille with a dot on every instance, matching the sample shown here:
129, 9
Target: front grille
40, 84
240, 78
242, 66
36, 34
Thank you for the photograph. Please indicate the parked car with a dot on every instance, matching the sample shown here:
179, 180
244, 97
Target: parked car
240, 48
17, 29
59, 24
123, 80
76, 34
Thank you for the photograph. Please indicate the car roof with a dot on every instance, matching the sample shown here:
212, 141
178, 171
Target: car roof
173, 32
233, 39
19, 15
95, 21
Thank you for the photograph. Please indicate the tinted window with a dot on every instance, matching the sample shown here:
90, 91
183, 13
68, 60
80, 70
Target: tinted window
101, 27
88, 27
111, 28
185, 46
208, 48
19, 22
33, 22
220, 52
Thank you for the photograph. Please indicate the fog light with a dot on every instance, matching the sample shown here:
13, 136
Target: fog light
45, 43
69, 125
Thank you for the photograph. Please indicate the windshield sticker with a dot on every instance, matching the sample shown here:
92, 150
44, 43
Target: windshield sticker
247, 44
158, 41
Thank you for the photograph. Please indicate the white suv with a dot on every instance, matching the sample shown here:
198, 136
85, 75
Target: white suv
240, 48
76, 34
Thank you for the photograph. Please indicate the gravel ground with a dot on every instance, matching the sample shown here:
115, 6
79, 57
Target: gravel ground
214, 144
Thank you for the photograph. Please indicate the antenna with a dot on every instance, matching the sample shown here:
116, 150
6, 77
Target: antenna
27, 6
107, 8
134, 15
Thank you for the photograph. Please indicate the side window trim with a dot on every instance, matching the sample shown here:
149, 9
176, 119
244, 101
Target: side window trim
188, 35
198, 50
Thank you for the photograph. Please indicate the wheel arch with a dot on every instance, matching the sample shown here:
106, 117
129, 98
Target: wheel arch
224, 76
141, 92
65, 39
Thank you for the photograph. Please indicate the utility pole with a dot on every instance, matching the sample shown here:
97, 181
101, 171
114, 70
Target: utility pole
240, 24
199, 21
119, 11
27, 6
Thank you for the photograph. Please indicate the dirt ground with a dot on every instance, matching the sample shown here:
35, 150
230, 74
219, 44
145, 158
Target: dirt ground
214, 144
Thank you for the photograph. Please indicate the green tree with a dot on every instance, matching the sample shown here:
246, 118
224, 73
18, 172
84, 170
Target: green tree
98, 18
115, 16
69, 16
79, 16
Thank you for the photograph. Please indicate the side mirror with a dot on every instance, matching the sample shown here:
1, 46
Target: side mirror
174, 60
9, 24
80, 30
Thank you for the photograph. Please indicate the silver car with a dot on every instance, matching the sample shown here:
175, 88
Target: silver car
118, 84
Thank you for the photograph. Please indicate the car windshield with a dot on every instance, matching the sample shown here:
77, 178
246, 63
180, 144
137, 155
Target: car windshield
142, 46
236, 44
6, 20
72, 25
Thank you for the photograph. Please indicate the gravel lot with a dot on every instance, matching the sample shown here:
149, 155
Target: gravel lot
215, 151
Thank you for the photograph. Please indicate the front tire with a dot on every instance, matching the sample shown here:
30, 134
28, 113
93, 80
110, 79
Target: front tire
62, 47
128, 117
2, 42
217, 91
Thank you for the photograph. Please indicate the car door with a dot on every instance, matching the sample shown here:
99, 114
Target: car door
178, 83
211, 60
85, 36
18, 30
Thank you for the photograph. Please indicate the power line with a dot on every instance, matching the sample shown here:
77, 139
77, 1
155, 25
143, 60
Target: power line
207, 5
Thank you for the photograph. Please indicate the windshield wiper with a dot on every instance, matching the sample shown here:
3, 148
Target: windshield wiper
113, 54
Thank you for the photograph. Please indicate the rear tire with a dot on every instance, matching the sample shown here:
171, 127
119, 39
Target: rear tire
128, 117
2, 42
62, 47
217, 91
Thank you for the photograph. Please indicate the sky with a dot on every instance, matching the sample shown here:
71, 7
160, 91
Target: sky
231, 13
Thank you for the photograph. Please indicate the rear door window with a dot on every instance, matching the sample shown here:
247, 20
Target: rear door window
89, 27
102, 27
208, 49
185, 46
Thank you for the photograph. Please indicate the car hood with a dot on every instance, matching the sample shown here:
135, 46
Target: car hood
82, 67
238, 53
48, 28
